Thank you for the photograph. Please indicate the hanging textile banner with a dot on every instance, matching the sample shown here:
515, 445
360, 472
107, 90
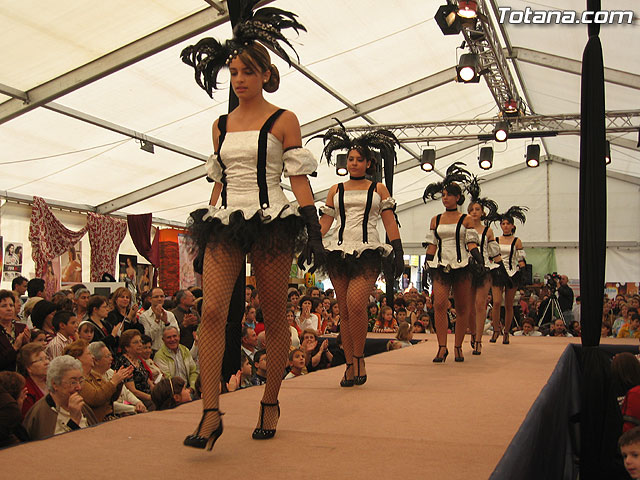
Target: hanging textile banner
187, 274
105, 236
169, 267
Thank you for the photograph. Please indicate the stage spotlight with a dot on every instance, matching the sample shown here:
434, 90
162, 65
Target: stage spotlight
501, 132
428, 159
468, 8
485, 160
468, 68
533, 155
146, 146
341, 164
511, 107
447, 19
607, 155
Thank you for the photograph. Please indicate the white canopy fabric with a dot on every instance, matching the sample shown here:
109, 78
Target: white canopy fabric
357, 50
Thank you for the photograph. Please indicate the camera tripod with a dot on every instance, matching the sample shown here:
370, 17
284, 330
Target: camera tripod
555, 307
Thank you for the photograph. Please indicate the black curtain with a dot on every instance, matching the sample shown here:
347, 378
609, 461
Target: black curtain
598, 431
233, 332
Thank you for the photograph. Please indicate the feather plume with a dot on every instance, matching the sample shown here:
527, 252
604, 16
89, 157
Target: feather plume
455, 174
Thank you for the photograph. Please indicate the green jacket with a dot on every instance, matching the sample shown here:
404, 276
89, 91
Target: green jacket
165, 362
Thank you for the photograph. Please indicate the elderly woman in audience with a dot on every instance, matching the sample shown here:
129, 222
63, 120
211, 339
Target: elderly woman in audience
97, 312
170, 392
33, 364
12, 335
140, 383
42, 318
63, 409
123, 311
102, 367
12, 394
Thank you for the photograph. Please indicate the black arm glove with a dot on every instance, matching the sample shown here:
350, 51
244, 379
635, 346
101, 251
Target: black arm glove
313, 252
502, 272
477, 256
398, 258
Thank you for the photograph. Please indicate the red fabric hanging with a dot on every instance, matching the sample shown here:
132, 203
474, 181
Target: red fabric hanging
105, 236
140, 231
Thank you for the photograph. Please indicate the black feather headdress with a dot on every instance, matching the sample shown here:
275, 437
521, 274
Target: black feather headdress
209, 56
455, 175
383, 141
490, 207
514, 213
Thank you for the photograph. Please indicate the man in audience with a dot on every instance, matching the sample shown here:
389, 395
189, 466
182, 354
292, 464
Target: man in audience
174, 359
35, 292
19, 287
248, 292
260, 360
186, 316
254, 302
528, 329
565, 298
559, 329
249, 341
156, 318
66, 325
82, 301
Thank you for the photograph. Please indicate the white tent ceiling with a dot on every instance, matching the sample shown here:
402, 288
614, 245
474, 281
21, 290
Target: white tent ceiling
356, 50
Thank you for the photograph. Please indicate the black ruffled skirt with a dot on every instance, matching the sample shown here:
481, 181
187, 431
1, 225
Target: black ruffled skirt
273, 236
503, 281
480, 276
368, 262
449, 277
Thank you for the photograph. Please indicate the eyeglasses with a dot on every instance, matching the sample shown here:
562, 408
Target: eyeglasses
74, 382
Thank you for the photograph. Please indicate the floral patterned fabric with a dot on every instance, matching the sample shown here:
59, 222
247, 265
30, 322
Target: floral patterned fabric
105, 236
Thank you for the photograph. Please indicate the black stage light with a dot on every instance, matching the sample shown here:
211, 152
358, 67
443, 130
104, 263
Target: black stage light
428, 159
447, 19
501, 132
468, 8
485, 160
607, 155
533, 155
341, 164
468, 70
146, 146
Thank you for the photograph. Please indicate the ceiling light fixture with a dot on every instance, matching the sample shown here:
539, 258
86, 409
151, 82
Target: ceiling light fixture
533, 155
341, 164
146, 145
467, 69
448, 20
428, 160
485, 159
501, 131
468, 8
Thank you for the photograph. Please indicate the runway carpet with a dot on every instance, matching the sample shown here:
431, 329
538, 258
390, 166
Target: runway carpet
412, 419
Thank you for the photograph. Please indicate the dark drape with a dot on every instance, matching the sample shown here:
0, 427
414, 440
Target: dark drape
140, 231
233, 331
598, 433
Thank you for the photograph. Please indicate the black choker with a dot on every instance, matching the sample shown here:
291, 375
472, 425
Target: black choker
507, 234
452, 209
351, 177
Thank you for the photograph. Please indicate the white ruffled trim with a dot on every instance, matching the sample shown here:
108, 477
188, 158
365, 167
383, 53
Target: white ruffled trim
387, 203
266, 214
298, 161
213, 168
356, 249
471, 236
430, 238
327, 210
434, 263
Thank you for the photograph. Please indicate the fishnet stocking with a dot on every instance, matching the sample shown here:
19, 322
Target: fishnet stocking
341, 285
464, 308
222, 265
480, 296
272, 279
440, 300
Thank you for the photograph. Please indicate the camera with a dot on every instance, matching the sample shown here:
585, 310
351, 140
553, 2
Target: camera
551, 280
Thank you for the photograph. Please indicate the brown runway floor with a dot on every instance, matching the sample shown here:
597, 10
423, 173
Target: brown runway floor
412, 419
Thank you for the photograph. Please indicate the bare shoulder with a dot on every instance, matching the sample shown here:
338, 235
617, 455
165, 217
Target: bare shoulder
331, 194
382, 190
433, 223
490, 235
468, 222
519, 244
215, 133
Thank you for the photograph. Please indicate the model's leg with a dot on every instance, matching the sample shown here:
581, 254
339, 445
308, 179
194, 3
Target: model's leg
496, 293
340, 285
440, 301
481, 309
357, 300
221, 266
272, 279
464, 309
509, 294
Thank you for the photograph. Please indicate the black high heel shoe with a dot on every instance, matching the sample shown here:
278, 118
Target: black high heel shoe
442, 359
473, 341
197, 441
505, 339
494, 337
345, 382
359, 379
477, 350
263, 433
458, 354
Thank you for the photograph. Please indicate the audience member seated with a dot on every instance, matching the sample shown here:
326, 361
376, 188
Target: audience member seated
98, 393
149, 364
35, 292
296, 363
33, 364
86, 331
575, 329
393, 345
606, 331
293, 328
372, 313
249, 340
631, 329
630, 409
246, 374
386, 323
42, 318
629, 444
404, 334
317, 355
418, 327
426, 320
401, 316
140, 383
123, 312
529, 329
168, 393
97, 312
81, 295
63, 409
38, 336
174, 359
333, 323
294, 298
559, 329
124, 403
307, 319
187, 316
13, 335
260, 361
65, 324
12, 394
156, 318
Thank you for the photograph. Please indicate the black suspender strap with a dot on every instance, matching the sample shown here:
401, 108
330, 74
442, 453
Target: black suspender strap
367, 210
458, 246
484, 236
513, 248
222, 126
262, 158
435, 234
343, 214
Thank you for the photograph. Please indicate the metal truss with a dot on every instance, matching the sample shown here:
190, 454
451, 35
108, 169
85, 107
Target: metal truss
522, 127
